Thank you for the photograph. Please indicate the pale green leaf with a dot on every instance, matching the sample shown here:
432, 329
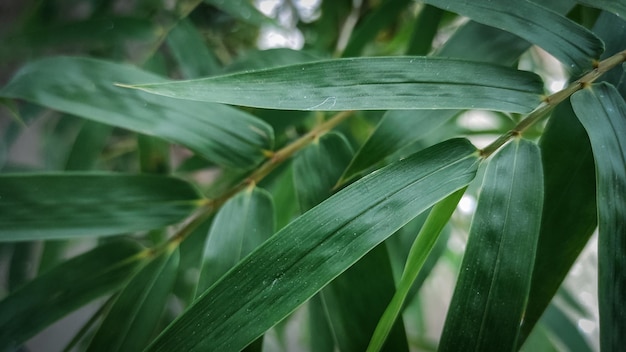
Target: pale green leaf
241, 225
602, 111
420, 250
65, 288
64, 205
570, 43
367, 84
85, 87
494, 280
307, 254
565, 330
134, 315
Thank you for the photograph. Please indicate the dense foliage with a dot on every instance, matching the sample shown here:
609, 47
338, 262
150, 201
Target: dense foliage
191, 189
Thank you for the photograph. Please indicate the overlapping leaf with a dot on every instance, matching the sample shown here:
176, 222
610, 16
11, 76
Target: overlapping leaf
308, 253
367, 84
569, 42
64, 205
492, 290
134, 316
602, 111
65, 288
85, 87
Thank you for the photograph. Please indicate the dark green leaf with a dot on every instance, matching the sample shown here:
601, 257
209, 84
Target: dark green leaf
65, 288
88, 145
420, 250
63, 205
241, 225
491, 293
569, 209
367, 84
261, 59
602, 111
308, 253
190, 51
85, 87
243, 10
355, 300
426, 25
570, 43
133, 317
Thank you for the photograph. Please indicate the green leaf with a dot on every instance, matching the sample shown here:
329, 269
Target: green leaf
65, 288
397, 129
308, 253
569, 209
420, 250
190, 51
382, 83
241, 225
317, 168
382, 17
85, 87
602, 111
88, 145
260, 59
133, 317
570, 43
564, 329
492, 289
424, 30
355, 300
617, 7
64, 205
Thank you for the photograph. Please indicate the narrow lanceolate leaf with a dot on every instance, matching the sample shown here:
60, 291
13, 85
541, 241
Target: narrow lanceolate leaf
135, 314
65, 288
569, 42
85, 87
602, 111
569, 209
241, 225
420, 250
618, 7
307, 254
190, 51
383, 83
355, 300
491, 293
317, 168
64, 205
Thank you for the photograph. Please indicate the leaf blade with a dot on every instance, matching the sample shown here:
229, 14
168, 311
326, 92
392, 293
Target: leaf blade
393, 83
277, 273
602, 111
65, 205
490, 296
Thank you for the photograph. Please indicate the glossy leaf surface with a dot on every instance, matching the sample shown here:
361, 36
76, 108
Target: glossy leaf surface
367, 84
602, 111
494, 280
303, 257
569, 42
64, 205
85, 87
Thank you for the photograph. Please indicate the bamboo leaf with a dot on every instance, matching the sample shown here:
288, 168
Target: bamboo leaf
188, 48
569, 209
420, 250
602, 111
85, 87
308, 253
490, 295
64, 205
394, 83
570, 43
134, 315
65, 288
355, 300
424, 30
241, 225
565, 330
243, 10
